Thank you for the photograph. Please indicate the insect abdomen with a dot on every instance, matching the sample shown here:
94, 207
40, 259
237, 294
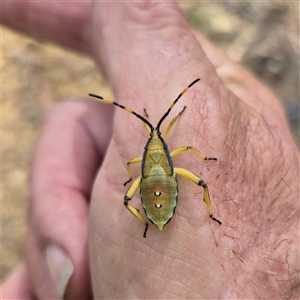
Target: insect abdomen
159, 194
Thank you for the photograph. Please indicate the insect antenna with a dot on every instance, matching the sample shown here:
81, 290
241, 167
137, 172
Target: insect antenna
173, 103
125, 108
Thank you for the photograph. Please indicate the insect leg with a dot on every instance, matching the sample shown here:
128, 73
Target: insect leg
128, 196
133, 161
148, 129
186, 148
197, 180
172, 123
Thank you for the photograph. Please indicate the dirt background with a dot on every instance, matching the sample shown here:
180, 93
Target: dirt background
262, 36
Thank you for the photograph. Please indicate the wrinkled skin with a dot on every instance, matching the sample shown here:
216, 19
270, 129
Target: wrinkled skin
148, 54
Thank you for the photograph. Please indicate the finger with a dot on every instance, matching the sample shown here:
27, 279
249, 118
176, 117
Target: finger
181, 58
17, 285
66, 25
67, 156
162, 57
148, 28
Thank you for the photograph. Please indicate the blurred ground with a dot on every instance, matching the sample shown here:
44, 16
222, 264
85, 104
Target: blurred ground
262, 36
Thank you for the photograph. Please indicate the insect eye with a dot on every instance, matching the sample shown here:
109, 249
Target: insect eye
157, 194
158, 205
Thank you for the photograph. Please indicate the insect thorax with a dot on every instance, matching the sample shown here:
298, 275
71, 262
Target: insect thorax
156, 156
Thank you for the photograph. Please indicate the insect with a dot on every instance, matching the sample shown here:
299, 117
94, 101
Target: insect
158, 183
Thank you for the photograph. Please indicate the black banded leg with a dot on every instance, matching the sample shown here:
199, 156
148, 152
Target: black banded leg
197, 180
128, 196
133, 161
206, 199
186, 148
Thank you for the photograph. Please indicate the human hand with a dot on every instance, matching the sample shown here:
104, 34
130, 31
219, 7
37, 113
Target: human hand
179, 272
230, 116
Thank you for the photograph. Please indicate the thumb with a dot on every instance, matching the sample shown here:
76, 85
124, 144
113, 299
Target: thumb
67, 157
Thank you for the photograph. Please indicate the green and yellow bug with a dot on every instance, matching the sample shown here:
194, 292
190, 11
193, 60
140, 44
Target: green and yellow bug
158, 183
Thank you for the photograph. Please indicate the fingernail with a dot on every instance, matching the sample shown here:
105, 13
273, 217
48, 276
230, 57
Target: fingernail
61, 267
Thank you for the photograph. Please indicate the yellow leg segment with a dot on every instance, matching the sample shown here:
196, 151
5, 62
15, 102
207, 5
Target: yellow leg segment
133, 161
186, 148
128, 196
172, 123
197, 180
145, 125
